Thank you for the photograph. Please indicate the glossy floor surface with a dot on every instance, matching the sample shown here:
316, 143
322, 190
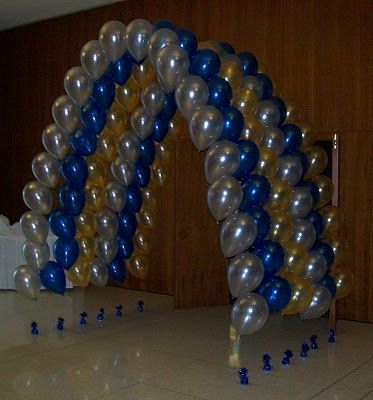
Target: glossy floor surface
164, 354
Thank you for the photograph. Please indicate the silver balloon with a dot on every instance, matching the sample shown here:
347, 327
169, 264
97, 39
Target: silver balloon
301, 202
160, 39
27, 282
252, 83
222, 158
249, 314
237, 234
172, 65
99, 272
268, 113
36, 255
56, 141
142, 122
290, 169
152, 98
123, 170
138, 33
304, 233
46, 169
245, 273
224, 196
106, 223
320, 303
78, 85
34, 227
65, 113
274, 139
37, 197
191, 93
315, 267
206, 126
94, 59
112, 37
106, 249
129, 146
116, 196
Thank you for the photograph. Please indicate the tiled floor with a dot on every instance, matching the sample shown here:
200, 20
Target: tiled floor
166, 354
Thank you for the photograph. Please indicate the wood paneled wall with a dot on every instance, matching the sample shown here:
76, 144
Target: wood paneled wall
318, 51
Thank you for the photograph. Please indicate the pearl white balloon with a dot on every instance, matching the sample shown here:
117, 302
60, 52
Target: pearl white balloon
315, 268
106, 249
301, 202
27, 282
268, 113
152, 98
116, 196
290, 169
46, 169
252, 83
94, 59
274, 139
112, 37
159, 39
65, 113
98, 272
34, 227
142, 122
78, 85
138, 33
37, 197
36, 255
304, 233
106, 223
123, 170
129, 146
56, 141
320, 303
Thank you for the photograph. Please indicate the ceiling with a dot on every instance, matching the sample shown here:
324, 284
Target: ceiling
21, 12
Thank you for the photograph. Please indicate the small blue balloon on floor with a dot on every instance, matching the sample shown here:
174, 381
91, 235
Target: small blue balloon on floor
101, 316
140, 306
34, 329
243, 375
83, 318
60, 322
118, 310
267, 366
331, 338
314, 344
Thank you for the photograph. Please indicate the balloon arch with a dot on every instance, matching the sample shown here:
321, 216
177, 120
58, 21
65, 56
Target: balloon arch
109, 141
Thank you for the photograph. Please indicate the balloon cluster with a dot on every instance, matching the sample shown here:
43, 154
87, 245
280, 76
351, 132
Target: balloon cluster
109, 145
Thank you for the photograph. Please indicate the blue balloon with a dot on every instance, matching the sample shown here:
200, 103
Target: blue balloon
256, 191
293, 136
227, 48
83, 142
302, 158
103, 92
125, 248
53, 278
134, 199
262, 221
160, 128
313, 189
281, 106
326, 250
206, 64
220, 92
93, 116
276, 292
233, 124
329, 282
127, 225
142, 174
72, 199
121, 70
267, 85
75, 170
117, 270
147, 151
249, 156
169, 107
66, 252
187, 39
62, 224
317, 221
163, 24
249, 63
272, 255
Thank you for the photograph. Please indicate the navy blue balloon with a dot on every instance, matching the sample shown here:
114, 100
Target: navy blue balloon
233, 124
72, 199
125, 248
93, 116
83, 142
142, 174
281, 106
220, 92
262, 221
293, 136
103, 91
187, 39
160, 128
276, 292
326, 250
313, 189
317, 221
134, 199
206, 64
121, 69
249, 156
169, 107
53, 278
62, 224
147, 151
75, 170
117, 270
66, 252
329, 282
163, 24
267, 85
272, 255
227, 48
256, 192
302, 158
249, 63
127, 225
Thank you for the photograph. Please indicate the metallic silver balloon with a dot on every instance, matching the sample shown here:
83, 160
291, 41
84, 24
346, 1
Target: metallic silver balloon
142, 122
245, 273
315, 267
116, 196
27, 282
274, 139
237, 234
123, 170
252, 83
98, 273
46, 169
224, 196
304, 233
37, 197
206, 126
191, 93
222, 158
290, 169
65, 113
36, 255
152, 98
106, 223
56, 141
159, 39
78, 85
138, 33
112, 37
268, 113
301, 202
94, 59
106, 249
129, 146
172, 65
320, 303
249, 314
34, 227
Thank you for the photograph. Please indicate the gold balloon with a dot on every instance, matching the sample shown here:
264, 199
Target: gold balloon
117, 119
292, 114
231, 70
87, 246
326, 190
281, 227
253, 130
301, 294
246, 101
296, 257
148, 197
141, 241
280, 197
159, 173
95, 196
144, 73
128, 95
332, 219
145, 217
339, 247
268, 163
138, 265
317, 161
211, 45
162, 151
344, 282
86, 223
79, 273
96, 171
107, 145
307, 138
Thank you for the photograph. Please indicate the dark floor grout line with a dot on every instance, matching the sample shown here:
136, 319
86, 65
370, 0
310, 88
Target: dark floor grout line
366, 395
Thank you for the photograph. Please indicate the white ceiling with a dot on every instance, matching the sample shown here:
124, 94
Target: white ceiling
21, 12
